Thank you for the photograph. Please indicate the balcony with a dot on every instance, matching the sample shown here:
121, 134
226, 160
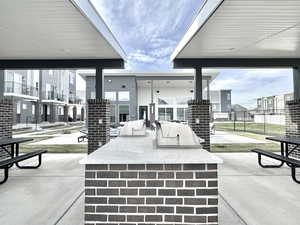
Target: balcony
21, 89
52, 95
73, 99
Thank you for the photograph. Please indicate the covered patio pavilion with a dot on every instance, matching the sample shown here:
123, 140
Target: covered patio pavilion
55, 193
55, 35
244, 34
248, 34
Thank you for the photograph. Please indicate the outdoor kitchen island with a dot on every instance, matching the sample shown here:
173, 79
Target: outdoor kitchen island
131, 181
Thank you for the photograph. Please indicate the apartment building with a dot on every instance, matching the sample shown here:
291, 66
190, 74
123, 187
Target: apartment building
41, 95
132, 92
273, 104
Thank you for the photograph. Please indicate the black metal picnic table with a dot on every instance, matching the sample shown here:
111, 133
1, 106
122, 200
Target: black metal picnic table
284, 157
14, 145
284, 144
10, 157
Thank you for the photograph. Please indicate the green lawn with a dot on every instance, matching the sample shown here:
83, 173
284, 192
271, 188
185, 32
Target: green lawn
259, 128
269, 145
26, 147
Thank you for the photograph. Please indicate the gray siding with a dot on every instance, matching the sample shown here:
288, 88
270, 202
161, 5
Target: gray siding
115, 84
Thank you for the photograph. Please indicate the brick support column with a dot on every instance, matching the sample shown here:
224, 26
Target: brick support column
198, 120
6, 118
66, 113
98, 123
293, 123
53, 117
74, 113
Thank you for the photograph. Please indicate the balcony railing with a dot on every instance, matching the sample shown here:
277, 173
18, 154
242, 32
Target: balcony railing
21, 89
52, 95
73, 99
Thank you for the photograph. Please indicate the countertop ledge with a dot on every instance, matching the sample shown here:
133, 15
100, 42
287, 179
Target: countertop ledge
142, 150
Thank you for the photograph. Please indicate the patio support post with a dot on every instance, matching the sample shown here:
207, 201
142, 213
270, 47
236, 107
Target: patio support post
198, 84
99, 83
2, 84
52, 113
98, 109
37, 112
66, 113
74, 113
208, 89
296, 76
98, 116
198, 109
293, 112
152, 106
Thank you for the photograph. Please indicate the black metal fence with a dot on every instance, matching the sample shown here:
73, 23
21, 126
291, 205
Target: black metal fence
259, 122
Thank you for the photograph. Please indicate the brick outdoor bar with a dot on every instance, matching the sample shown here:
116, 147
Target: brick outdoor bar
130, 181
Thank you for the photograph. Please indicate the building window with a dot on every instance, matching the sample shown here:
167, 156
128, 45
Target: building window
111, 95
228, 97
124, 96
165, 114
180, 114
33, 109
93, 94
123, 113
113, 113
19, 108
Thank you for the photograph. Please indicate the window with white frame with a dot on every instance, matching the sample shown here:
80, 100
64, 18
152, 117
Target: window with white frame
113, 113
110, 95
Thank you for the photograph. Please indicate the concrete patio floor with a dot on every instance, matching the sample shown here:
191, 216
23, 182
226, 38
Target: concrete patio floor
54, 193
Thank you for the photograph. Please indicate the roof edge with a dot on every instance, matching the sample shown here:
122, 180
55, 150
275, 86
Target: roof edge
207, 10
88, 10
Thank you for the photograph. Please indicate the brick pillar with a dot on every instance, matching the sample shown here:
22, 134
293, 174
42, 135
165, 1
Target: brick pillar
292, 124
15, 115
52, 114
74, 113
98, 123
6, 118
66, 113
198, 120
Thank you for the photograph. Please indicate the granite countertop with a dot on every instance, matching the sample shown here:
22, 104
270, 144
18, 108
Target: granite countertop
143, 150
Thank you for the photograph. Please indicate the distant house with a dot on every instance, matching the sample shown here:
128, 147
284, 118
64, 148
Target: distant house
238, 108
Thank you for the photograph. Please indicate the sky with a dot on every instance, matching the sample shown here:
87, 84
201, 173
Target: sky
149, 31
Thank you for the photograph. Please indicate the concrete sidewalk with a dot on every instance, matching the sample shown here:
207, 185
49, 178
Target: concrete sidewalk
54, 193
222, 137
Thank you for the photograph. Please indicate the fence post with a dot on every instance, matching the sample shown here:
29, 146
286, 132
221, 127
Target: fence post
264, 122
244, 121
234, 118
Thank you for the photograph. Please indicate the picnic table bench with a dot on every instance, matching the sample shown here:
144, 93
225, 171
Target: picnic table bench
284, 157
12, 157
82, 137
